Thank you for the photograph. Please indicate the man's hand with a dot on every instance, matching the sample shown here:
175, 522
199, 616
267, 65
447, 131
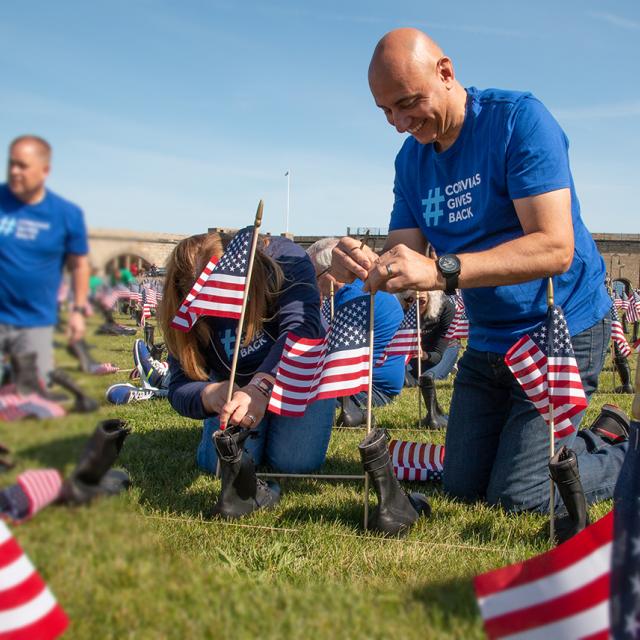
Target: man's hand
401, 269
349, 261
214, 396
77, 327
246, 408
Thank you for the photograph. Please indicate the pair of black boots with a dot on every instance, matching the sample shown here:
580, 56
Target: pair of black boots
24, 374
242, 492
624, 371
612, 425
111, 328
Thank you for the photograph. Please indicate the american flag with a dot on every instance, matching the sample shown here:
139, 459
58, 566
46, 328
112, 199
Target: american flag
145, 314
633, 310
14, 405
28, 609
544, 364
134, 296
222, 292
316, 368
325, 313
621, 302
150, 296
636, 346
110, 298
563, 593
417, 461
405, 342
625, 561
617, 334
184, 319
459, 327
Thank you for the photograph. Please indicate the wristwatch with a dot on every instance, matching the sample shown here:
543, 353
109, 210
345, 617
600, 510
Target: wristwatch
264, 386
449, 267
78, 309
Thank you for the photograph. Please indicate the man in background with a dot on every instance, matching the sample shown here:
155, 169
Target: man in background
40, 233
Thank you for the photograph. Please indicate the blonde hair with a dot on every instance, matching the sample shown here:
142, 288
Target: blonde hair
185, 264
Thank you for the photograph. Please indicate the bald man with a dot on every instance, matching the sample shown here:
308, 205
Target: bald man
484, 177
40, 233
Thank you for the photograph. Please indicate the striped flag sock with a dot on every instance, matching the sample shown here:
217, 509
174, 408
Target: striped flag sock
33, 491
28, 609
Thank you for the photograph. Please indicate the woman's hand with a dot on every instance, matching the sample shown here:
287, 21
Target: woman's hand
246, 408
214, 396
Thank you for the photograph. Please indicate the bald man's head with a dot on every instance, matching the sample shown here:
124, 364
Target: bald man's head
28, 168
414, 83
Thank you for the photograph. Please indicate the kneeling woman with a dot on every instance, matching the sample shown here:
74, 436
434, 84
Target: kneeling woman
283, 297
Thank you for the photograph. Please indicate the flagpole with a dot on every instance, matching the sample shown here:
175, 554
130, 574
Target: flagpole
245, 297
419, 358
552, 486
369, 403
286, 221
331, 294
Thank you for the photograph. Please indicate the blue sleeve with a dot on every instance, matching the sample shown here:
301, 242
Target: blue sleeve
537, 151
77, 242
184, 393
401, 215
298, 306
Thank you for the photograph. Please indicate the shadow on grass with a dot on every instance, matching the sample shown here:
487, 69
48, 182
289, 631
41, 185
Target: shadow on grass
451, 601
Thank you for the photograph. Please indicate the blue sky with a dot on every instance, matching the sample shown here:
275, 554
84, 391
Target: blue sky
180, 115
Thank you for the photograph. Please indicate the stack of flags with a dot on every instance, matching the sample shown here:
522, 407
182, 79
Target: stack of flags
545, 366
219, 289
331, 367
417, 461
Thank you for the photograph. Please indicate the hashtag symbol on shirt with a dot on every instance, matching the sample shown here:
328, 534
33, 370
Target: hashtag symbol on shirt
432, 207
7, 225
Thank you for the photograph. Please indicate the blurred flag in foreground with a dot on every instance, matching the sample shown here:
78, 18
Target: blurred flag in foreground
28, 609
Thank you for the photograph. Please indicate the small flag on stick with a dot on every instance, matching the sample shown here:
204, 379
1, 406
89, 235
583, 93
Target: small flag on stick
545, 366
405, 342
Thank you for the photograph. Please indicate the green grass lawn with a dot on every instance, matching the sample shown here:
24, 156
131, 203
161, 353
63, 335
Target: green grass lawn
150, 564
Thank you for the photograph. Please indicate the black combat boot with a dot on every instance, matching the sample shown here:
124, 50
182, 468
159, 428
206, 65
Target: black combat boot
24, 374
622, 367
563, 468
93, 475
351, 415
396, 511
612, 425
242, 492
434, 418
149, 330
82, 402
80, 351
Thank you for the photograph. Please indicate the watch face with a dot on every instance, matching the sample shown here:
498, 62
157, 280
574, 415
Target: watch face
449, 264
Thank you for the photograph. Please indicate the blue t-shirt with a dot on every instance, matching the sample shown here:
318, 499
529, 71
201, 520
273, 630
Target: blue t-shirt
509, 147
35, 241
387, 316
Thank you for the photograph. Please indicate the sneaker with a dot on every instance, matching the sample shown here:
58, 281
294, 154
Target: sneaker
124, 393
152, 372
612, 425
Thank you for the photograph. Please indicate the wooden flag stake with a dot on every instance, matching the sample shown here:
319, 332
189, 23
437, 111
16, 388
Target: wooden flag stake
331, 303
419, 358
552, 447
369, 404
245, 297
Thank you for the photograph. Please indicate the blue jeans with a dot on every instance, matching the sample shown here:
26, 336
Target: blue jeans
497, 444
289, 445
441, 370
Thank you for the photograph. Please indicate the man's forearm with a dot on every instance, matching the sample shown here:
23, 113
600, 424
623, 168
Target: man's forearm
80, 280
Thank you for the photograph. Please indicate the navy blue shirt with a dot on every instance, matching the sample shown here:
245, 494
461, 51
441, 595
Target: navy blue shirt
35, 241
297, 309
510, 147
387, 316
